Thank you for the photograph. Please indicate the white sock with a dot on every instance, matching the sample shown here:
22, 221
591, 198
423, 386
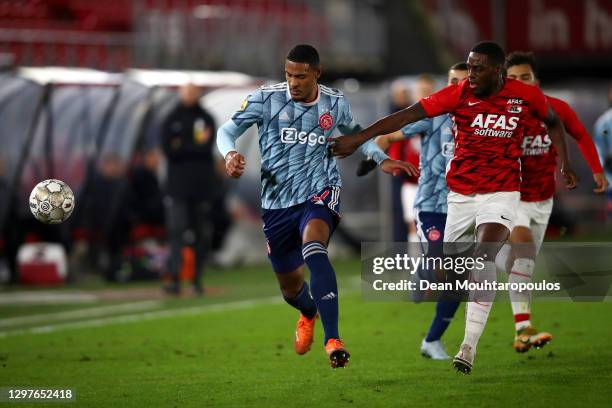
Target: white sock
502, 257
479, 306
522, 271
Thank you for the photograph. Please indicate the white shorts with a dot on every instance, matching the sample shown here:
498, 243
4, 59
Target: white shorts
409, 191
466, 213
534, 215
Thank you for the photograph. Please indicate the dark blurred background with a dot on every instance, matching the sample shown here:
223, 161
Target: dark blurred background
371, 39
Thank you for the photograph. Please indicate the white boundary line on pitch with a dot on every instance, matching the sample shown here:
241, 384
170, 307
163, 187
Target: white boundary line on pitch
352, 285
137, 317
80, 313
37, 297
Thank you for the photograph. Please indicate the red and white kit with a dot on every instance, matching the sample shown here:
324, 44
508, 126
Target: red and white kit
539, 163
484, 177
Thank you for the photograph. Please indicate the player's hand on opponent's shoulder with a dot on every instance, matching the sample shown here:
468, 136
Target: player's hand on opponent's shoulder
395, 168
234, 164
601, 182
571, 180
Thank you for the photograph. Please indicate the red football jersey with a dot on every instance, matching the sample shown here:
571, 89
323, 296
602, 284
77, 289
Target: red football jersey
488, 134
539, 159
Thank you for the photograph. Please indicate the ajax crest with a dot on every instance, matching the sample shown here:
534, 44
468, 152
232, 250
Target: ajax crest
434, 234
326, 121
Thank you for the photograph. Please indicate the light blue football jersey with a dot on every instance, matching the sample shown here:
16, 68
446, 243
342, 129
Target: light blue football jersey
603, 140
295, 163
437, 147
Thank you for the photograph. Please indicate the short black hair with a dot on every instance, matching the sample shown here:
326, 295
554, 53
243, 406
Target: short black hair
304, 54
459, 66
520, 58
493, 51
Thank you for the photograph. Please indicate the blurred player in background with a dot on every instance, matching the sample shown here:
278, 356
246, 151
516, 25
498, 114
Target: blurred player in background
430, 203
192, 185
408, 150
424, 86
538, 165
603, 141
300, 187
401, 98
109, 224
489, 115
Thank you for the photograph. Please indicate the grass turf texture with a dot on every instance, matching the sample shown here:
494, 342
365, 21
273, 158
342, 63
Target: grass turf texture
244, 357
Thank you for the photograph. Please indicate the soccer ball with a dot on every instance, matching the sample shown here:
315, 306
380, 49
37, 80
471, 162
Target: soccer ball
51, 201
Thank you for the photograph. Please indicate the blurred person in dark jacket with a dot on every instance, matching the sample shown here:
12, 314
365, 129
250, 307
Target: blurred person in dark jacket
108, 215
400, 98
187, 141
10, 229
146, 191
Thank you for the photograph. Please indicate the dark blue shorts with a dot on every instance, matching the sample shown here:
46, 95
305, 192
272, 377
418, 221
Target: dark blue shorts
430, 229
284, 227
430, 226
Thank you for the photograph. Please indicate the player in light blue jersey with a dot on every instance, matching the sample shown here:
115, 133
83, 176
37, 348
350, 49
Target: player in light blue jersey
430, 203
300, 187
603, 143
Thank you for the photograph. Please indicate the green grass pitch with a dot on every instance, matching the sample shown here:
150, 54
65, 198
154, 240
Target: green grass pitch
223, 351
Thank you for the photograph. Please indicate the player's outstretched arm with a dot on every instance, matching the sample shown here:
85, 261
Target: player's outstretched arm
384, 141
344, 146
557, 135
396, 167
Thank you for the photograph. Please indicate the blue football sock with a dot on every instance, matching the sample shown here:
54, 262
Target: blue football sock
323, 286
445, 310
303, 302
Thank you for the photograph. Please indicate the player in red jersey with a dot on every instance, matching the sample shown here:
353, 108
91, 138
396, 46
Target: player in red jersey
489, 113
538, 164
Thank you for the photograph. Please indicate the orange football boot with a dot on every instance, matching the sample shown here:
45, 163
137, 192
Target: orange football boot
338, 355
530, 337
304, 334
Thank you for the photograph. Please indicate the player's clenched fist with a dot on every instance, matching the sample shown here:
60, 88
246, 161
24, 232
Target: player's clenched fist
234, 164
